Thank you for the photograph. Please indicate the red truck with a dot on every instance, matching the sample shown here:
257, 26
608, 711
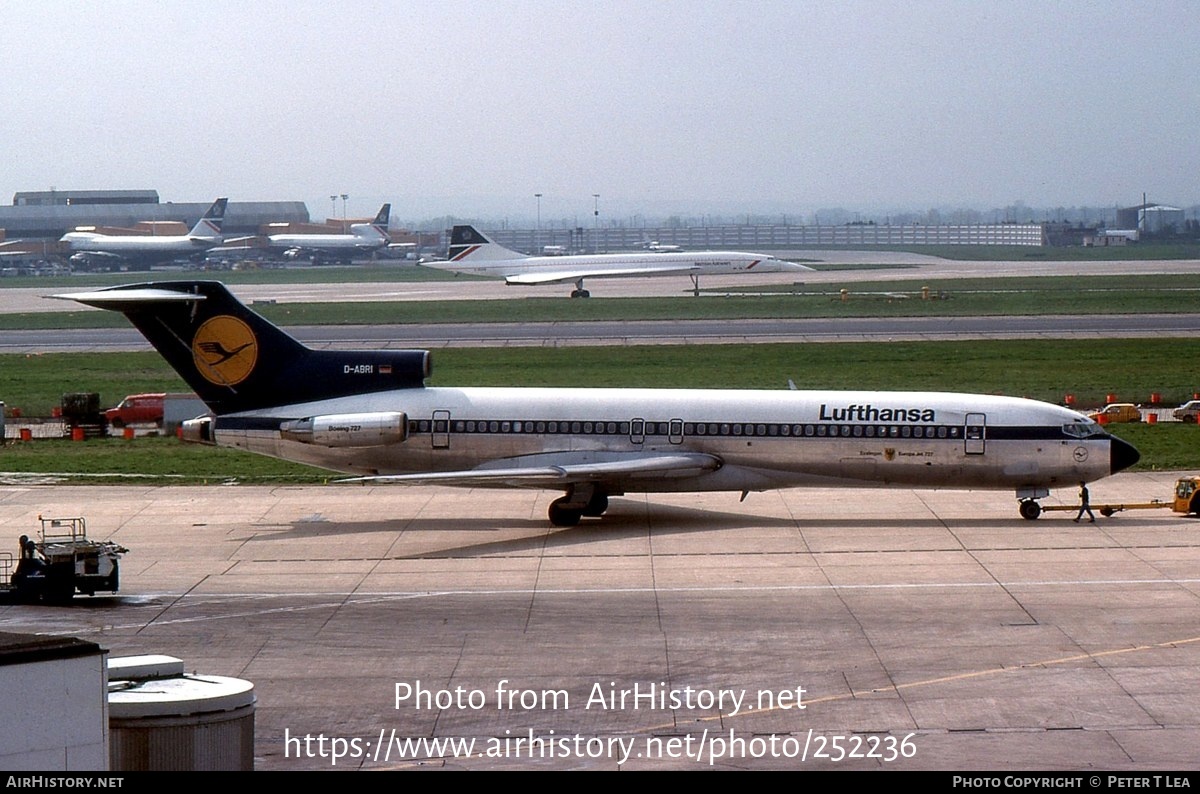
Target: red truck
137, 409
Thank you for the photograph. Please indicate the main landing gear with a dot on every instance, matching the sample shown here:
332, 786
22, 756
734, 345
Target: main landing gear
579, 291
1030, 509
580, 501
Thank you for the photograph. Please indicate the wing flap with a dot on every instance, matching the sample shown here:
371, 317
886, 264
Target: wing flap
637, 467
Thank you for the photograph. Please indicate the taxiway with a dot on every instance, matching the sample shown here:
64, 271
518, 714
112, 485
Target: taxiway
936, 622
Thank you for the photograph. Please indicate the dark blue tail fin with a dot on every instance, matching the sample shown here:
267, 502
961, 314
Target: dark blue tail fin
238, 361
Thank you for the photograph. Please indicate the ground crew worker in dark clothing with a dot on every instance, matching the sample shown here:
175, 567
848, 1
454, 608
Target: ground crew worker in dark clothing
1085, 504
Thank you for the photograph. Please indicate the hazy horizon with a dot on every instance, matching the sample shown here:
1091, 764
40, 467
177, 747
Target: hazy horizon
669, 108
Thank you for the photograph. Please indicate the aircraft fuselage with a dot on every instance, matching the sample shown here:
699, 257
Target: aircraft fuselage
763, 439
700, 262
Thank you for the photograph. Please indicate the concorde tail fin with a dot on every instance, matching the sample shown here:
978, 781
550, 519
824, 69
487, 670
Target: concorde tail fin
466, 243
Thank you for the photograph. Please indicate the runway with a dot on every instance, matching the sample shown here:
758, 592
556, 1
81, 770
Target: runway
919, 629
848, 267
710, 332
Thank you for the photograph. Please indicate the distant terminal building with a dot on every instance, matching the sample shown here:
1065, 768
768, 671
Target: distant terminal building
752, 237
64, 198
1105, 238
48, 215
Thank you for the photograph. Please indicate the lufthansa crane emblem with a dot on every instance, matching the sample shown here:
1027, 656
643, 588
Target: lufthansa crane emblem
224, 350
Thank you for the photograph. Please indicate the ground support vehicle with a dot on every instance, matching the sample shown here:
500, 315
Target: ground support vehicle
1188, 412
60, 563
1186, 500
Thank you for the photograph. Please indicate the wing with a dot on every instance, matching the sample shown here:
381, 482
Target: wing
250, 243
543, 473
563, 276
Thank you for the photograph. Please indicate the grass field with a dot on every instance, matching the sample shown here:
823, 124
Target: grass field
1043, 369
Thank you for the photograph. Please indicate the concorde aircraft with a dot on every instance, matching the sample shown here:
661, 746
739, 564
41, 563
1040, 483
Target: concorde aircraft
141, 251
370, 413
473, 252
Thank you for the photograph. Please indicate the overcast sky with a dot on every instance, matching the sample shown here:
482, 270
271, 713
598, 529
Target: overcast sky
470, 108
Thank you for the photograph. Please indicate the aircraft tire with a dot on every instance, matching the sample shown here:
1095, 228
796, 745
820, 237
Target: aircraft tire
580, 293
1030, 509
561, 516
597, 505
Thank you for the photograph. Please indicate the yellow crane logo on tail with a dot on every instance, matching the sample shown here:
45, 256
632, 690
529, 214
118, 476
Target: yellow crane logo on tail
224, 350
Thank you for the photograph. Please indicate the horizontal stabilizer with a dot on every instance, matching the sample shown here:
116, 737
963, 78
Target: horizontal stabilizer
129, 299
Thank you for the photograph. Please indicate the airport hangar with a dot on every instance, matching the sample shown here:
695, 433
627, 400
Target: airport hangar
51, 214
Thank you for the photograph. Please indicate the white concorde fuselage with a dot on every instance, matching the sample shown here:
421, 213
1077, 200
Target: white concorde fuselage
530, 269
762, 439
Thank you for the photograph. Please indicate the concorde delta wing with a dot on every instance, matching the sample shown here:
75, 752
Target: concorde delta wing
566, 276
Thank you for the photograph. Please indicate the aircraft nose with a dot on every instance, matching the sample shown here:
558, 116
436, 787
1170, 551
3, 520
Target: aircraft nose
793, 267
1122, 455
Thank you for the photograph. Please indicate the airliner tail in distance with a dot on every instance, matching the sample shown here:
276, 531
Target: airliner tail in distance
209, 225
471, 251
467, 243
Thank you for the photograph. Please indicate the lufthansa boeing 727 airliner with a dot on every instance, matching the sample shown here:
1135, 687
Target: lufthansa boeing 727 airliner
369, 413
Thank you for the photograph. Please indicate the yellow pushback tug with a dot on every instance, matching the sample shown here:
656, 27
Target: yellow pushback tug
1186, 500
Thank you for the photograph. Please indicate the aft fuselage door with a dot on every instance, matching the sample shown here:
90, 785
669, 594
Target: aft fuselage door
975, 434
441, 429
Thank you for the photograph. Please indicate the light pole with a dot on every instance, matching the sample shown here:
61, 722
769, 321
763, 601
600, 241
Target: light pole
596, 222
344, 197
333, 206
537, 237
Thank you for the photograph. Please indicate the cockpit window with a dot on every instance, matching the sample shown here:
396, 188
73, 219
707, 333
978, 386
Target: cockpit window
1082, 428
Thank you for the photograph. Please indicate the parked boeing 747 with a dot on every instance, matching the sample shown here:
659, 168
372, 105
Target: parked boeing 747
472, 252
141, 251
364, 239
370, 413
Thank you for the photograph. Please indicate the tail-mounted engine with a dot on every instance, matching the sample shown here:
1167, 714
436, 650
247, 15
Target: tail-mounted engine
348, 430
